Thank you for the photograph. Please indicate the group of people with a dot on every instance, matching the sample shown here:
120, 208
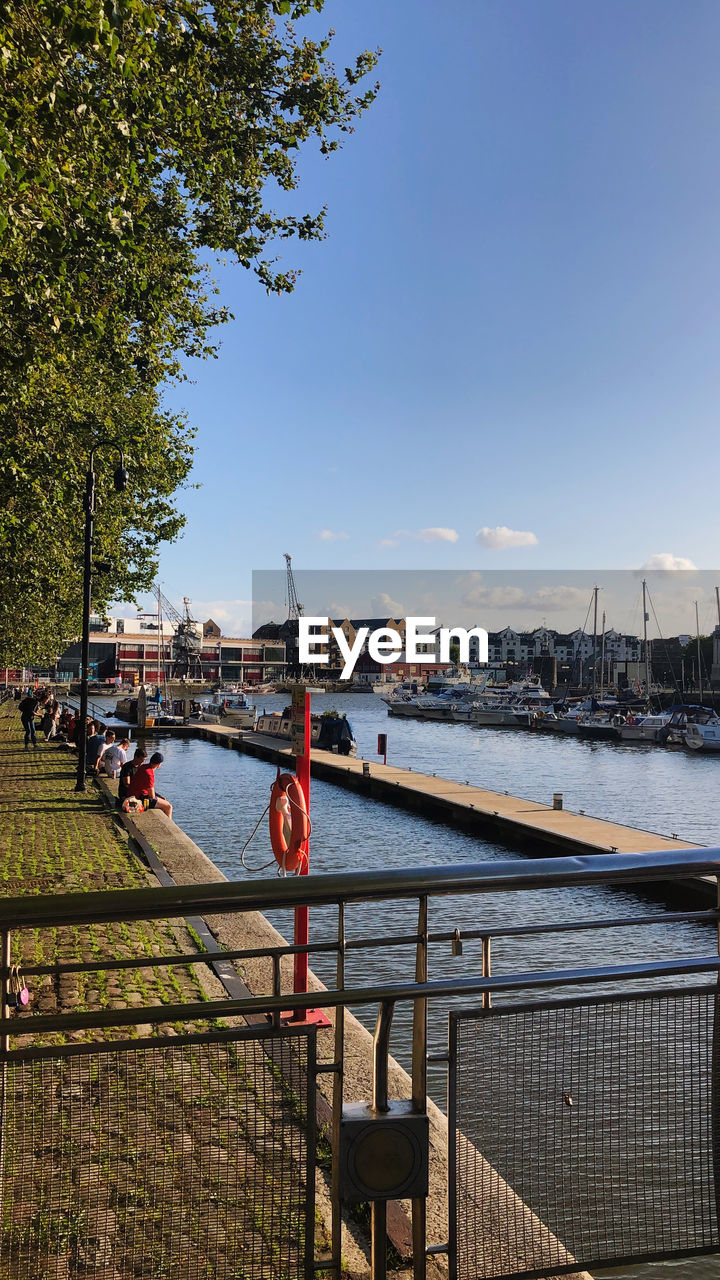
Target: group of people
39, 702
103, 752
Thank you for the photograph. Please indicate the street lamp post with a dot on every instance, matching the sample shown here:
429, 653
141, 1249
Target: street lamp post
120, 479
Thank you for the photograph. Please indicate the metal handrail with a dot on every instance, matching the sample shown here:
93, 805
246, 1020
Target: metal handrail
362, 944
356, 886
378, 994
83, 909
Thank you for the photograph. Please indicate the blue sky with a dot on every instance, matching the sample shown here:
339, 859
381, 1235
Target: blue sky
512, 326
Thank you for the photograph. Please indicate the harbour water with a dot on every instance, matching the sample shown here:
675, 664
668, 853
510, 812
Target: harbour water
218, 796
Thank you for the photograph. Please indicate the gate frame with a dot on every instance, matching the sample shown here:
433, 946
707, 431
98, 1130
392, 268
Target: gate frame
481, 1013
230, 1035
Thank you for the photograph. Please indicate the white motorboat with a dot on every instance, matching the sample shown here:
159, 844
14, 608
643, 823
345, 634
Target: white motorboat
514, 706
495, 713
703, 737
230, 708
681, 721
591, 710
388, 686
643, 728
423, 706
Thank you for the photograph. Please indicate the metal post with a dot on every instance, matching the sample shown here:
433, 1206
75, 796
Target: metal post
419, 1082
277, 987
337, 1097
5, 950
378, 1208
89, 506
302, 914
594, 675
486, 971
699, 654
714, 1074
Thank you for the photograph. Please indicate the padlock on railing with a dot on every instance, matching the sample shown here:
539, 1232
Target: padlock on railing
18, 996
456, 946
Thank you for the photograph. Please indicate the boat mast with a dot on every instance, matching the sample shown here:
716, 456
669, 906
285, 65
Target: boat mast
645, 641
594, 678
697, 635
602, 656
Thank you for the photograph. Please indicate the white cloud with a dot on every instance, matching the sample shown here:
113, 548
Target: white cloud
437, 535
393, 539
496, 597
234, 617
544, 600
383, 606
433, 534
329, 535
550, 598
501, 537
664, 560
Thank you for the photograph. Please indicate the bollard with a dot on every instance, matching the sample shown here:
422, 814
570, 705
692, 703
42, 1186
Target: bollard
557, 799
366, 769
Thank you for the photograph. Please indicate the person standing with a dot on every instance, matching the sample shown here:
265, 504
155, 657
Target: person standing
27, 708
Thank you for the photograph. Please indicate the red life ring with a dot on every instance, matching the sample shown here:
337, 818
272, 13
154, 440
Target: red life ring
631, 720
288, 821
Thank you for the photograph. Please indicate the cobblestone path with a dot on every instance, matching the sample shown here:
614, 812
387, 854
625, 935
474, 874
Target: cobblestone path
147, 1160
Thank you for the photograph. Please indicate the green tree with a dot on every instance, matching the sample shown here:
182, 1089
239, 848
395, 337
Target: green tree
139, 141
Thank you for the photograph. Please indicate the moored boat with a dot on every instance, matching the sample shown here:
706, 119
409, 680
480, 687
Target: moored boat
703, 737
681, 720
328, 732
643, 728
230, 708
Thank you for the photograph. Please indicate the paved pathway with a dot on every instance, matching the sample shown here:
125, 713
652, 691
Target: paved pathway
168, 1159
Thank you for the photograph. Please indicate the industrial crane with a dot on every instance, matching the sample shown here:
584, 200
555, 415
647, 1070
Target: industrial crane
186, 642
295, 609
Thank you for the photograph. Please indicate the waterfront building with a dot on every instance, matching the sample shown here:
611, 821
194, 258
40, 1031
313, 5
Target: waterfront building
133, 651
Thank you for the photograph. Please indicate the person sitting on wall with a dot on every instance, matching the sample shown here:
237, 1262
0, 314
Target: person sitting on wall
109, 742
142, 786
114, 757
126, 773
95, 746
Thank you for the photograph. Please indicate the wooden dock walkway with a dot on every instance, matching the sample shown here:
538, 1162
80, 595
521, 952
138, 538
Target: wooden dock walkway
512, 820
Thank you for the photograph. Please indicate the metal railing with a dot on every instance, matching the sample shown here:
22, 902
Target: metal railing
517, 1203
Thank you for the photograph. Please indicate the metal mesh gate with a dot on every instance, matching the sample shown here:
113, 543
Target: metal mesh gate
186, 1158
584, 1133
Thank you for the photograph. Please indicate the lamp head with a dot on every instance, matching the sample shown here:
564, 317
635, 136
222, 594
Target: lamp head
121, 476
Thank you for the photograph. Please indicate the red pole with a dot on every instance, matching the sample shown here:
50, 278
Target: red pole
302, 914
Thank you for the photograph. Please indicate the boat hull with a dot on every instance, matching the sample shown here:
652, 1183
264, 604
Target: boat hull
599, 732
232, 719
702, 738
636, 733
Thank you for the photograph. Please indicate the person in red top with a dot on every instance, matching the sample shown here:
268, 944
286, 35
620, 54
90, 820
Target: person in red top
142, 786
